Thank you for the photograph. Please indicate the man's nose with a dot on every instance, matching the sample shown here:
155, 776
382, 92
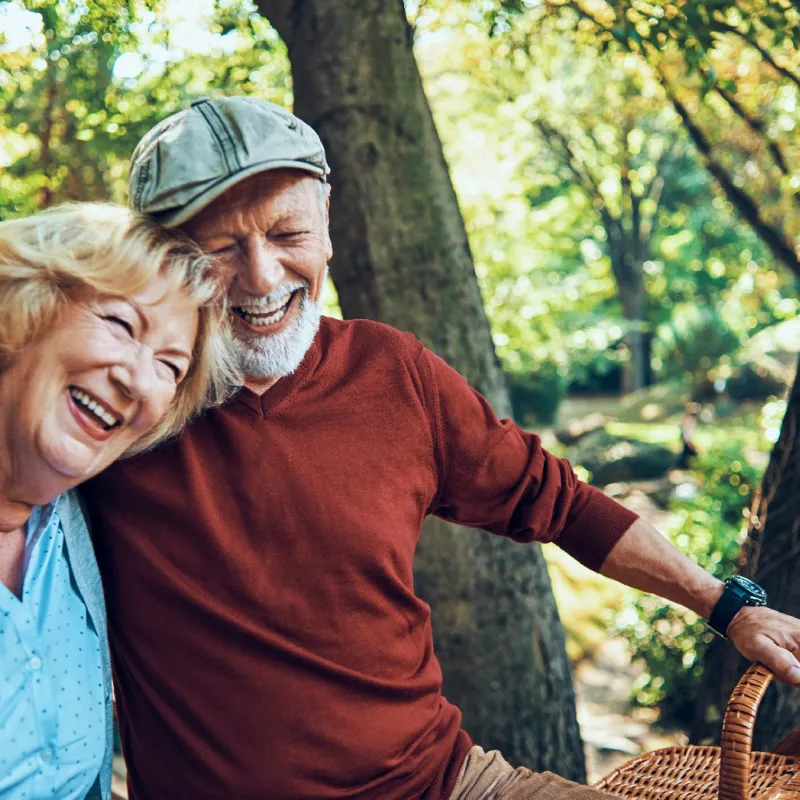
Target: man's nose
261, 271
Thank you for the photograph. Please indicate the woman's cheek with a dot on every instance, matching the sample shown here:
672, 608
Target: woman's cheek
152, 412
167, 398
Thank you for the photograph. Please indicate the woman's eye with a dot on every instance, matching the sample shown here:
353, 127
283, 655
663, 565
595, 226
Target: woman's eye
122, 324
174, 369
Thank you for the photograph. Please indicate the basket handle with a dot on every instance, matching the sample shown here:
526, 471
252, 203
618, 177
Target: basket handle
737, 733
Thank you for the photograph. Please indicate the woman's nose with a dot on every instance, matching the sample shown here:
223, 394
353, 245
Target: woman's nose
135, 375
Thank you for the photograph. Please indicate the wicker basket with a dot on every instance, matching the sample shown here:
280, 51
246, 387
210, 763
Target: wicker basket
729, 772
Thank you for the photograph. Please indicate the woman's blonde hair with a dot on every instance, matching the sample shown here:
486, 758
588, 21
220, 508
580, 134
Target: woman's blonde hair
77, 250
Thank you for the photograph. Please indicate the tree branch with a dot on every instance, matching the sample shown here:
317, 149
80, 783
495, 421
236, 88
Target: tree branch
582, 13
45, 197
772, 236
755, 124
654, 192
625, 179
576, 166
765, 54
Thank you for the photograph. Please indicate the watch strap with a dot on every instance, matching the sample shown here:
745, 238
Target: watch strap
728, 605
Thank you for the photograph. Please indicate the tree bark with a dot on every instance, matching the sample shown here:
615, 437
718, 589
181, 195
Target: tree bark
632, 297
401, 256
771, 557
627, 267
45, 193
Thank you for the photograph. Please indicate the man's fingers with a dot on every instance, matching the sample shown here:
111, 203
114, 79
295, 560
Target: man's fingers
783, 664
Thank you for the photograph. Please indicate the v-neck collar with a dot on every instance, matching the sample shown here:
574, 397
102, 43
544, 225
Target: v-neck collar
261, 404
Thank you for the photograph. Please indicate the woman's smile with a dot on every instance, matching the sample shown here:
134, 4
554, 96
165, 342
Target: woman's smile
97, 418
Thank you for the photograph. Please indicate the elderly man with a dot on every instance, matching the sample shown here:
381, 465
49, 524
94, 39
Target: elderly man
266, 638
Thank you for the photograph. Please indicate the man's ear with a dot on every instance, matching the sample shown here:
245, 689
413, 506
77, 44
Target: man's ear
328, 243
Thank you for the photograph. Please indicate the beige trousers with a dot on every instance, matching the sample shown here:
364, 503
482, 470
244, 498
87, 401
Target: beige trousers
488, 776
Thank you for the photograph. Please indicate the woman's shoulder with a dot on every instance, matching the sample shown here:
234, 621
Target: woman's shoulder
72, 510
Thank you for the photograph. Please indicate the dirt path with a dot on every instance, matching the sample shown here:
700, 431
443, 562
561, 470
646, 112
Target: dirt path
613, 730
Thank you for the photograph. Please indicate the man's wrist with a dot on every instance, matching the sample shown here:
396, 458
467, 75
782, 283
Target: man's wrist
738, 593
706, 597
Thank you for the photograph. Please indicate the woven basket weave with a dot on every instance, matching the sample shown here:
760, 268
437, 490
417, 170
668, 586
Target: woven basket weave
729, 772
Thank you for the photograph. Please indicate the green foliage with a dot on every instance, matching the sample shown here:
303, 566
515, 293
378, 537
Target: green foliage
669, 641
729, 68
541, 242
89, 79
693, 340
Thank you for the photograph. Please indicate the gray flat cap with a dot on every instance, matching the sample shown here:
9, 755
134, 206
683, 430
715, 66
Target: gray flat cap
189, 159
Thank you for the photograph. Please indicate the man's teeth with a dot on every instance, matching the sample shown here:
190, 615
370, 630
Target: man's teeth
261, 316
86, 401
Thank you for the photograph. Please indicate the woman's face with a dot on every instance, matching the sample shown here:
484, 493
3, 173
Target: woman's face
106, 373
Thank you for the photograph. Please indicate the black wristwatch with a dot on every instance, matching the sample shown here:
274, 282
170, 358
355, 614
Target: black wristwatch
738, 592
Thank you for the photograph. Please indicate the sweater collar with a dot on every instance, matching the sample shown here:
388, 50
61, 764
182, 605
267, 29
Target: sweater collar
261, 404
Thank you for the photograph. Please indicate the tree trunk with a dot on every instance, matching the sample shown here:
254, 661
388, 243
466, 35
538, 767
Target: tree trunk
45, 194
401, 256
630, 285
771, 557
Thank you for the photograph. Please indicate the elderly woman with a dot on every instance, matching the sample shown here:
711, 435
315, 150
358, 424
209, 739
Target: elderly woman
109, 342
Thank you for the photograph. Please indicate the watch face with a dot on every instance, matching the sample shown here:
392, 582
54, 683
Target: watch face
751, 588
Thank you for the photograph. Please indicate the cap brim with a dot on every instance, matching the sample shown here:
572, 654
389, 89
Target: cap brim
172, 218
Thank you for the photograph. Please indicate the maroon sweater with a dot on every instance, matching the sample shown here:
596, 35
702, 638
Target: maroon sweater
265, 634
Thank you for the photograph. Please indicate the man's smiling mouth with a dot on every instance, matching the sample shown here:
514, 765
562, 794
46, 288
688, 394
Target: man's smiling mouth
98, 411
263, 315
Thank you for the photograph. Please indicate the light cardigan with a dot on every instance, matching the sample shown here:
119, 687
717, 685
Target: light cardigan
87, 579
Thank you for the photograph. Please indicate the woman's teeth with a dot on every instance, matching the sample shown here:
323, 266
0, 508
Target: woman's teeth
95, 409
261, 316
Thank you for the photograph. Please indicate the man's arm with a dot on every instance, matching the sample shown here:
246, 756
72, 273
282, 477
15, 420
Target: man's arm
495, 476
644, 559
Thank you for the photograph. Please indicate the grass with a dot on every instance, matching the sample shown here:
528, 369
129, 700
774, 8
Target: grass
708, 436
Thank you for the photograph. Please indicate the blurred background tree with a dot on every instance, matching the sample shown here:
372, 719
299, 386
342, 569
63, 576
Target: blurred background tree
89, 79
729, 69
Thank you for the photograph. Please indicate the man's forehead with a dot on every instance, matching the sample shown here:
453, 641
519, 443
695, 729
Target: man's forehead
268, 184
274, 193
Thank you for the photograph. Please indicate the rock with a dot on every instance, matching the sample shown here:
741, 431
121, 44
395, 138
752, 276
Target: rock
576, 429
749, 379
614, 459
758, 381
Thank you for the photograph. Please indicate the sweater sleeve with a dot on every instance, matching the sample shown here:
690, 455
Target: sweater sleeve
495, 476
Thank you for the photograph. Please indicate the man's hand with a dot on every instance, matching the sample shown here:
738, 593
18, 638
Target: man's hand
770, 638
646, 560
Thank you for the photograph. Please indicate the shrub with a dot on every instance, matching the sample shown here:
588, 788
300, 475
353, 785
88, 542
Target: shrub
669, 641
694, 339
535, 396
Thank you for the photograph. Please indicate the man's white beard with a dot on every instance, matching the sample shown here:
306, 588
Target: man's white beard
276, 355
